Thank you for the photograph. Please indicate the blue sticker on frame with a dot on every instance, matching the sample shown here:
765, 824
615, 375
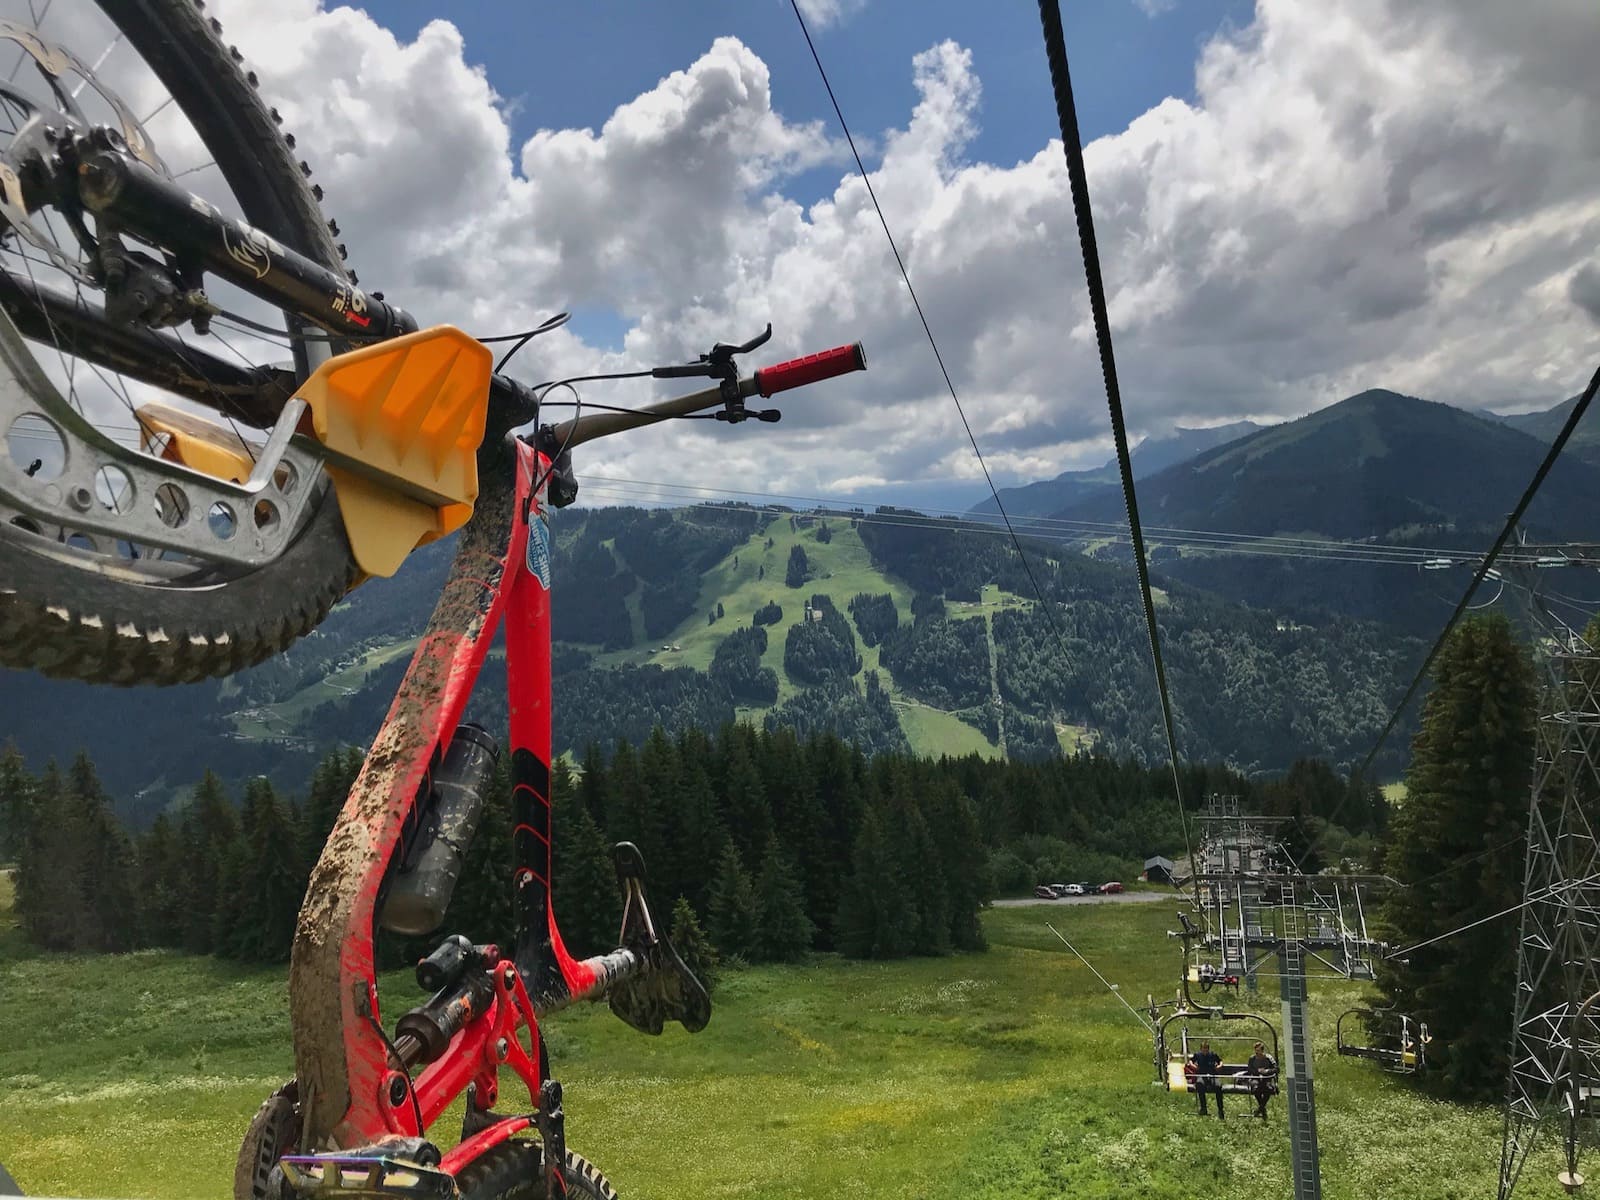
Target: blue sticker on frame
539, 551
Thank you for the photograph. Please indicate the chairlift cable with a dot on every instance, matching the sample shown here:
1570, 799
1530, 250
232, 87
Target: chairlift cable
1072, 143
1482, 572
1512, 521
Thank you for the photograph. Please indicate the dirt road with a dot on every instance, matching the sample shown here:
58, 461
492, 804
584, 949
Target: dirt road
1115, 898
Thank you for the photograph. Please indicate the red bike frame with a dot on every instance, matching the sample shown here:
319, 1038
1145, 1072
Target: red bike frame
356, 1085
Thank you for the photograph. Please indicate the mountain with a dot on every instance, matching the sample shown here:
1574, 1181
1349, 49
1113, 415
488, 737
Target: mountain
1153, 454
891, 629
1378, 466
1372, 466
1585, 440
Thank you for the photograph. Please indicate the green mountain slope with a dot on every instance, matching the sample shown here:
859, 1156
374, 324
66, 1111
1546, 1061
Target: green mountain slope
655, 609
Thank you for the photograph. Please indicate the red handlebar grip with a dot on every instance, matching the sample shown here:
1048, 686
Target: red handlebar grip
798, 372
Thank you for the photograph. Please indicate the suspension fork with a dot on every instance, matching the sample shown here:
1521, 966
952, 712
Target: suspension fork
126, 194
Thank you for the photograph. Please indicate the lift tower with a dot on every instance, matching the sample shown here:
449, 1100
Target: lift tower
1253, 900
1555, 1040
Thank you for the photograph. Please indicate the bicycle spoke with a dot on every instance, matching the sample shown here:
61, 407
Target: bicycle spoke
210, 162
156, 111
223, 407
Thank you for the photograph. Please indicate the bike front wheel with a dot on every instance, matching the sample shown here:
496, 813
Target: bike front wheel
515, 1171
75, 600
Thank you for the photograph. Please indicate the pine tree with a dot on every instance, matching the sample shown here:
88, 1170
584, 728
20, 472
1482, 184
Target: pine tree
104, 865
269, 883
748, 813
953, 822
161, 903
783, 931
660, 833
835, 770
48, 900
692, 944
1466, 794
731, 910
16, 788
594, 785
209, 833
920, 864
876, 916
701, 833
588, 903
799, 568
227, 935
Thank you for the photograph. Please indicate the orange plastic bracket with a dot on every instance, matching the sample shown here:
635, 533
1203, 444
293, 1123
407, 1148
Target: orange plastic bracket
400, 423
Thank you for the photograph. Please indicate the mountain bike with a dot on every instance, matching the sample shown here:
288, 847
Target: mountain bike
168, 514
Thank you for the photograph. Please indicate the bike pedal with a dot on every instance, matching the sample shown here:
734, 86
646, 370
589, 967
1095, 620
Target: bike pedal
331, 1175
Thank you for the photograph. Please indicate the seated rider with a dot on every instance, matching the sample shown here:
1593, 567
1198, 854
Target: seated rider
1206, 1065
1263, 1070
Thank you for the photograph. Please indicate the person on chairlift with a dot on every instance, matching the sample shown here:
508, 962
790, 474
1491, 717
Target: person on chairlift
1263, 1070
1206, 1064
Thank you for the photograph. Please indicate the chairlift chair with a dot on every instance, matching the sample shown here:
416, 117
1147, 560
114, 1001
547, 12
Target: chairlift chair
1207, 976
1232, 1076
1398, 1042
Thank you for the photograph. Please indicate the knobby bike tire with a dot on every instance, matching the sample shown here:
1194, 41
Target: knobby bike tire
271, 1135
515, 1171
70, 619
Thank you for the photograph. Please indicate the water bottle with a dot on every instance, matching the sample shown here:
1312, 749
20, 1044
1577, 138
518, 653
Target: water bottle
419, 890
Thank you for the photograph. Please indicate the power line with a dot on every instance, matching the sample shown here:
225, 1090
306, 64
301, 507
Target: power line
1064, 530
1512, 522
1214, 542
1564, 885
1110, 987
1045, 607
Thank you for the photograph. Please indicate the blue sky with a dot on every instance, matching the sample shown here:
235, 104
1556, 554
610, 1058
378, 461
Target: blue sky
570, 65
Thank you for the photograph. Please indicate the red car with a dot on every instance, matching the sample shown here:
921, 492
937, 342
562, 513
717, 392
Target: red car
1107, 889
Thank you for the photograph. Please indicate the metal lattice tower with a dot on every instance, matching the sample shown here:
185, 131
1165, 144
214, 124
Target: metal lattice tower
1256, 906
1555, 1048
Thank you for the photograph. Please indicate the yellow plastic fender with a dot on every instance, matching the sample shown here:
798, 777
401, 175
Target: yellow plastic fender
400, 423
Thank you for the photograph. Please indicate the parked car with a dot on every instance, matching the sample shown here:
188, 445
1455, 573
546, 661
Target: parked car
1073, 889
1044, 892
1060, 889
1108, 889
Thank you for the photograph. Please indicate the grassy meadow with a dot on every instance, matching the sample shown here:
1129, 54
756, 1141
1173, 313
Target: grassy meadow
1012, 1073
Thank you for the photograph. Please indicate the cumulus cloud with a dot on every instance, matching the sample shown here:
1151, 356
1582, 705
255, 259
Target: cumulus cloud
1362, 193
823, 13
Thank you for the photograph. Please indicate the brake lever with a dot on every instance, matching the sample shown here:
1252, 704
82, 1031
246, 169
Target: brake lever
718, 364
723, 350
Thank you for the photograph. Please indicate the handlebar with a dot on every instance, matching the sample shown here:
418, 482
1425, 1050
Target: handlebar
797, 372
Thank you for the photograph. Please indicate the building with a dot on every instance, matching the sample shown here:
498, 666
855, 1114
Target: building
1158, 870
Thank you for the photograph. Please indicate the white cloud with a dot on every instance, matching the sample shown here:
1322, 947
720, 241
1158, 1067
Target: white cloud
1362, 193
1155, 8
822, 13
